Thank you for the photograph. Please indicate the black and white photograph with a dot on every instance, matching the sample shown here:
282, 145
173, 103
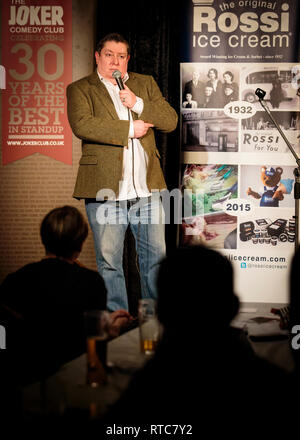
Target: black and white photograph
281, 82
209, 85
209, 130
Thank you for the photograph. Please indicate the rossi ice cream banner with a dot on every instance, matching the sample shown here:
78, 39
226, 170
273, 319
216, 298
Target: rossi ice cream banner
236, 168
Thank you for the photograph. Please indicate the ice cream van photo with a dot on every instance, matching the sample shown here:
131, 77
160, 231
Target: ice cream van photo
279, 81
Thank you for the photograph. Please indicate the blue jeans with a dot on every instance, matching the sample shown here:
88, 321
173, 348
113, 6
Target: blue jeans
109, 221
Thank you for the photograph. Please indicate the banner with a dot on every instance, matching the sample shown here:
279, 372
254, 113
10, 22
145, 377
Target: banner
236, 166
37, 58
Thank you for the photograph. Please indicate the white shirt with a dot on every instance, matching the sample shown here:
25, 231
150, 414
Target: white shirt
135, 159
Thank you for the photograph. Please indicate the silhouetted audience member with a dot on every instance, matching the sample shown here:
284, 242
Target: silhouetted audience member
43, 303
203, 373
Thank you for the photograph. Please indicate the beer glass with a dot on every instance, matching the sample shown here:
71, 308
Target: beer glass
97, 331
148, 325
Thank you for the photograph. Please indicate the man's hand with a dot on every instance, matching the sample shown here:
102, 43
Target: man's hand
127, 97
141, 128
118, 319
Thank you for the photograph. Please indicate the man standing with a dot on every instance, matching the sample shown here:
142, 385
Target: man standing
119, 172
195, 87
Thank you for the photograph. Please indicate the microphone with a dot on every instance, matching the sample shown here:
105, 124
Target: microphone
117, 76
260, 93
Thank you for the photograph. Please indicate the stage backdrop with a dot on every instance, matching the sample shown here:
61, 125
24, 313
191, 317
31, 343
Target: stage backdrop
236, 168
39, 58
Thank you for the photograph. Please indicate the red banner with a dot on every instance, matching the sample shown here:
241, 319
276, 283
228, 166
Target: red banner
37, 57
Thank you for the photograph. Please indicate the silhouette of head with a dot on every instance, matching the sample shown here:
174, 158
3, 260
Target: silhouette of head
63, 231
195, 289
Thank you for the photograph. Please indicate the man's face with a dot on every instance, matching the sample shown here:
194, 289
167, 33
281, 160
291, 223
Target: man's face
196, 76
113, 56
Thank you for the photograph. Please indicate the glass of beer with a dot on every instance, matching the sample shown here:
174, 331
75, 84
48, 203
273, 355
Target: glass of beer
148, 325
97, 332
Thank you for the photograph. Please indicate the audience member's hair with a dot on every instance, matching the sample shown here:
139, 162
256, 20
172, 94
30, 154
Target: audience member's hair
194, 284
63, 231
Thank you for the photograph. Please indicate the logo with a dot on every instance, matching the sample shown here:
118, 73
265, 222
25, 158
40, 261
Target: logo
243, 265
240, 23
2, 78
295, 340
2, 338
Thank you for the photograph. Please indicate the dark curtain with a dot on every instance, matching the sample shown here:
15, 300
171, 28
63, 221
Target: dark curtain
152, 29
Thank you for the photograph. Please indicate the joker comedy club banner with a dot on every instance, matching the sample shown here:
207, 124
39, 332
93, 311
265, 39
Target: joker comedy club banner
37, 58
237, 169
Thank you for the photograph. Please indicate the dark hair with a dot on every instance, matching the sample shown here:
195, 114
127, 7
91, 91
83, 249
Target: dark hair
229, 73
63, 231
195, 283
213, 70
118, 38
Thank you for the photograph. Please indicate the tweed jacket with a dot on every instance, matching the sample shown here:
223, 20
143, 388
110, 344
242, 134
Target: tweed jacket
93, 119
